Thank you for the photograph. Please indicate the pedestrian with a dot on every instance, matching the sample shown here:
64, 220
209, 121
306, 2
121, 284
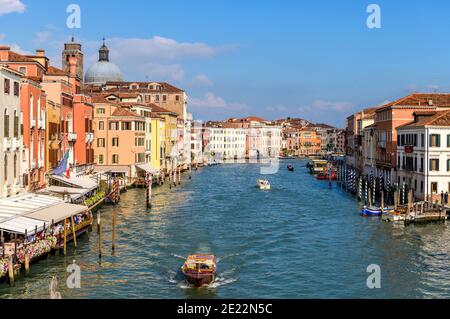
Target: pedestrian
446, 198
442, 197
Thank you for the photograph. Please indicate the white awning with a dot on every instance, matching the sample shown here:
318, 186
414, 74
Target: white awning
148, 168
58, 212
22, 225
78, 182
74, 193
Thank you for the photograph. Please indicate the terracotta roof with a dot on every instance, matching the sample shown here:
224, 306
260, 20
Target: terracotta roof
143, 86
441, 118
254, 119
120, 111
16, 57
123, 94
55, 71
158, 109
420, 100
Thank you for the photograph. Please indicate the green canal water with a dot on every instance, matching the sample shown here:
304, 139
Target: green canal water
299, 240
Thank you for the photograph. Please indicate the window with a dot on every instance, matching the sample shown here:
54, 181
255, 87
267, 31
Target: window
101, 126
6, 124
435, 140
421, 186
15, 166
448, 140
100, 159
100, 142
164, 98
16, 124
7, 86
177, 98
448, 165
115, 141
126, 126
115, 159
434, 164
5, 170
100, 110
16, 88
23, 69
139, 141
434, 187
140, 157
422, 140
114, 126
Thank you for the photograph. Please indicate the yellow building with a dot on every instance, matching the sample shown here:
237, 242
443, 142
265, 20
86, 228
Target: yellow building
171, 148
158, 133
53, 115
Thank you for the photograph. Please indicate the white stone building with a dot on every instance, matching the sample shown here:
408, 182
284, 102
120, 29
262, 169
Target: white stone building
11, 140
225, 142
264, 140
423, 154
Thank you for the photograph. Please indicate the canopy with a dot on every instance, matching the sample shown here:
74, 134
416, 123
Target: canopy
148, 168
77, 182
74, 193
110, 169
20, 225
57, 212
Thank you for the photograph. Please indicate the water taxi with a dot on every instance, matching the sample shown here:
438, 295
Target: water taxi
326, 176
263, 184
200, 270
317, 166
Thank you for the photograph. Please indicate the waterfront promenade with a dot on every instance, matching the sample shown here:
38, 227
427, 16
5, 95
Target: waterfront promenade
301, 239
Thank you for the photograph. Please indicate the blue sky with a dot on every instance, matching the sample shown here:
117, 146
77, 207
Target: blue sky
311, 59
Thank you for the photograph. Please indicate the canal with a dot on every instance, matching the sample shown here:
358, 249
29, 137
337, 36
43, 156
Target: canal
299, 240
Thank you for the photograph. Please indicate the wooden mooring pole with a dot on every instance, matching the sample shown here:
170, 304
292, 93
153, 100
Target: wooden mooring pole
11, 271
99, 231
72, 222
65, 236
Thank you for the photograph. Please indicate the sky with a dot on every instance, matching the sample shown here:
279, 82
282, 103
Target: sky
316, 60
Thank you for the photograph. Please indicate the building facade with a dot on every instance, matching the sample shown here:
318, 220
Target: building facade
11, 140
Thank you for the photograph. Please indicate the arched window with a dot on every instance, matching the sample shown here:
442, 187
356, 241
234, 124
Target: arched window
6, 124
31, 107
15, 166
16, 124
5, 170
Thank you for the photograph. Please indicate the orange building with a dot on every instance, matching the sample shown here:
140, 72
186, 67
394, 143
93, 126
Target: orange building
392, 115
33, 108
309, 142
119, 145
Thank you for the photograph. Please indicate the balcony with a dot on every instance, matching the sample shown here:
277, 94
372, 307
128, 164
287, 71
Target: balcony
89, 137
7, 144
41, 123
72, 137
32, 123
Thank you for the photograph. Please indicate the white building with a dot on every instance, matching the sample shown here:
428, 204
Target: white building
11, 140
423, 150
225, 142
264, 140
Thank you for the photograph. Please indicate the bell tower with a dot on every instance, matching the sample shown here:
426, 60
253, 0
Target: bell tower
73, 49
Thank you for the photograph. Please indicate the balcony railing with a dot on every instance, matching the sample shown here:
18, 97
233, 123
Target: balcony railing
89, 137
71, 136
7, 144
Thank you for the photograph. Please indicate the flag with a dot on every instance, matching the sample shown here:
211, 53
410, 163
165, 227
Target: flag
62, 166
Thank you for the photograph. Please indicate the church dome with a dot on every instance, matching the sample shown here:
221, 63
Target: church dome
103, 71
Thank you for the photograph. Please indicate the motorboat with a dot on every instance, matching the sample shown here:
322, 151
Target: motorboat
199, 269
263, 184
375, 211
290, 167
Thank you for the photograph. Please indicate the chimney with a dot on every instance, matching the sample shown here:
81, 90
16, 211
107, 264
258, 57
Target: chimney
4, 52
40, 52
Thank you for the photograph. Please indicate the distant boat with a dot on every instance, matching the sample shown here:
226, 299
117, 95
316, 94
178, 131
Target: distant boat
374, 211
326, 176
200, 270
263, 184
290, 167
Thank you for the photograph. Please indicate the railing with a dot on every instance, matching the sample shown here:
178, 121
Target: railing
6, 143
71, 136
89, 137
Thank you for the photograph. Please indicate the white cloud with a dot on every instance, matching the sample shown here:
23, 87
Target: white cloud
201, 80
2, 36
42, 36
211, 100
10, 6
332, 106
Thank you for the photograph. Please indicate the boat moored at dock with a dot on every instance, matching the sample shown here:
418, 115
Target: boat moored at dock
200, 270
375, 211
